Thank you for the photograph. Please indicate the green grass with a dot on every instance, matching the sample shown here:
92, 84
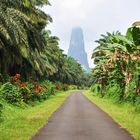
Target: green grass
22, 123
124, 114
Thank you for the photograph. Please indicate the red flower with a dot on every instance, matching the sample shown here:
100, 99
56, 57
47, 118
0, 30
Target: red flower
36, 85
15, 79
38, 88
23, 84
17, 76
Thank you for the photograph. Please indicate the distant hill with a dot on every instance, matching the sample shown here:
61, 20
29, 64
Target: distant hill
77, 47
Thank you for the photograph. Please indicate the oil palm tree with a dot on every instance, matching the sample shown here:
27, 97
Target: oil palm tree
21, 40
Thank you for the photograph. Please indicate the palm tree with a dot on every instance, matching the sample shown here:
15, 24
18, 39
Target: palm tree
21, 23
26, 47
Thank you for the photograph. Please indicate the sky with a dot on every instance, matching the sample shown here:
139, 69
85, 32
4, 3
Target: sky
95, 17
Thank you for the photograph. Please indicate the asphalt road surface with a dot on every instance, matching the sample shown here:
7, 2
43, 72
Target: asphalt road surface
79, 119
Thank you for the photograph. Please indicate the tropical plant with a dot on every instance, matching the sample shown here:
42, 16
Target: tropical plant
21, 39
11, 93
117, 63
26, 47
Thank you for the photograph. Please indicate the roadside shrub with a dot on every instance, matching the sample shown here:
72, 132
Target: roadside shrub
65, 86
26, 93
15, 80
58, 86
38, 91
50, 87
32, 92
82, 87
38, 88
11, 93
72, 87
95, 88
131, 97
17, 91
115, 92
137, 104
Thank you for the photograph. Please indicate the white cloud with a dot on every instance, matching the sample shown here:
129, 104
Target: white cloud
71, 5
94, 16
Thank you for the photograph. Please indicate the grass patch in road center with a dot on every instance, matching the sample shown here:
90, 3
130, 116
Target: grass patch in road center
124, 113
22, 123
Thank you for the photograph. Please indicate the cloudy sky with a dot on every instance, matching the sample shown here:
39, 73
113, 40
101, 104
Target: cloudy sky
94, 16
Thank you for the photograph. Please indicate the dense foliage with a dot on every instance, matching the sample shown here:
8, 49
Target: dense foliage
16, 91
26, 47
117, 60
32, 66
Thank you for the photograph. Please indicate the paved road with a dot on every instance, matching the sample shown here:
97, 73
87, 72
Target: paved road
79, 119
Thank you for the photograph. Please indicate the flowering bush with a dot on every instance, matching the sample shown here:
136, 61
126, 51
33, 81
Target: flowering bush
17, 91
25, 90
23, 85
38, 92
50, 88
38, 88
29, 92
32, 92
15, 79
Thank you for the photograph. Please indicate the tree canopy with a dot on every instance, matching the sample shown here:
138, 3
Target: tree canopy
28, 48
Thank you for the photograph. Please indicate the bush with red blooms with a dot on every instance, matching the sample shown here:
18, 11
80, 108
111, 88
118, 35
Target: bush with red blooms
23, 84
19, 91
29, 91
32, 92
38, 92
50, 87
15, 79
38, 89
26, 93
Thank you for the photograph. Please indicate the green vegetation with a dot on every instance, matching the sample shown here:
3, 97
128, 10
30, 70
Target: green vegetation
23, 122
16, 92
32, 69
27, 47
26, 106
117, 60
116, 77
123, 113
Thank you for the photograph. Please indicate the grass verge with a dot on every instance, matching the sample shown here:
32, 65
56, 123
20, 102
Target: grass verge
124, 114
22, 123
